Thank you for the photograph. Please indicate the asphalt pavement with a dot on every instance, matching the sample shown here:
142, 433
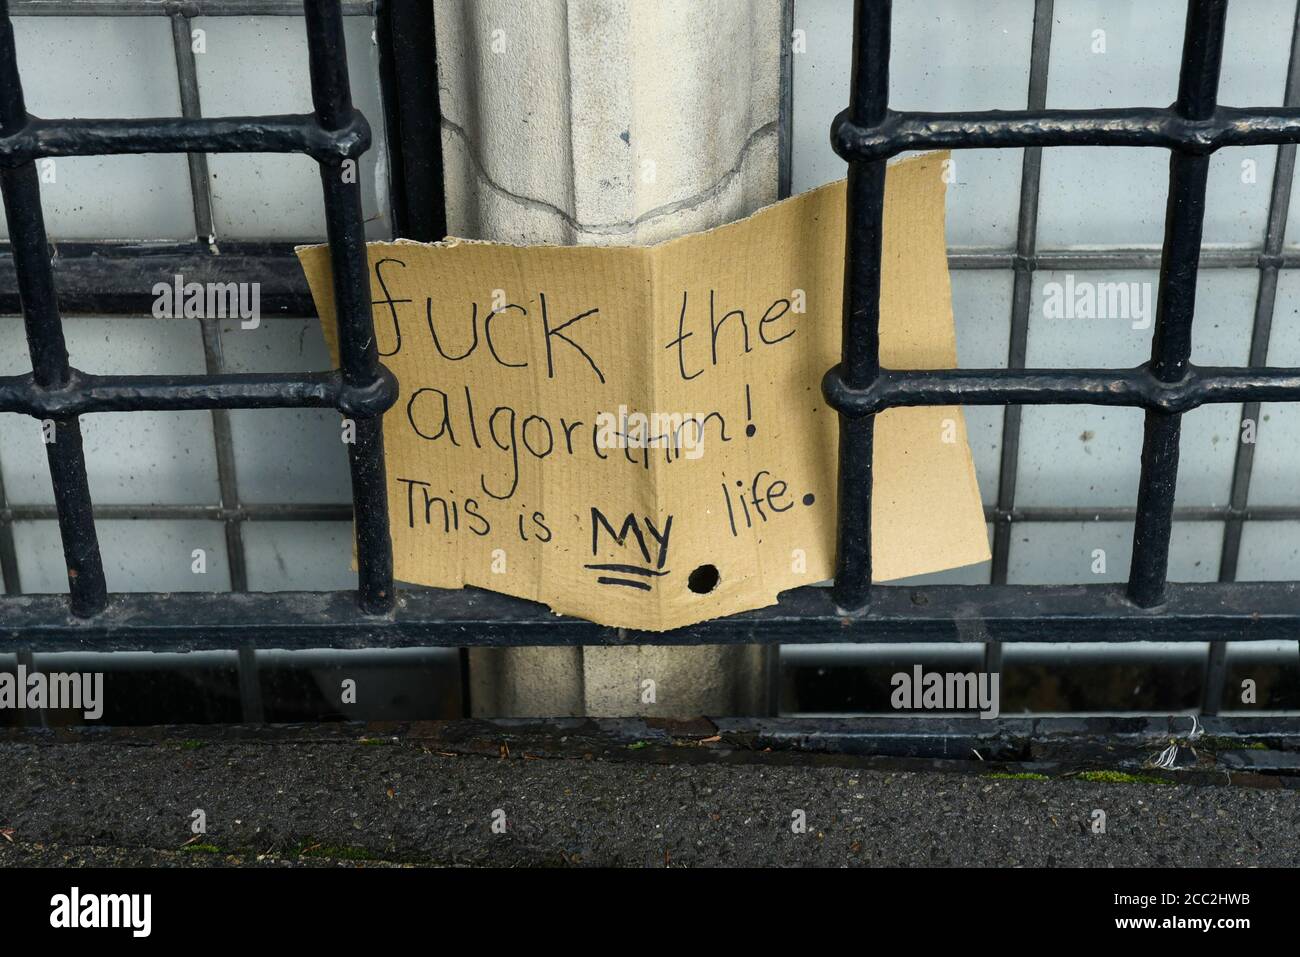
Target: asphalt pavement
349, 796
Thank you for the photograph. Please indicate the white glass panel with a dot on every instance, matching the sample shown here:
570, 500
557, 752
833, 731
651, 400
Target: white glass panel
258, 65
138, 556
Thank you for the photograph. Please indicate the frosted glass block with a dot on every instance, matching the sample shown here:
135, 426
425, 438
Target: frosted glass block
138, 556
134, 346
1113, 332
981, 306
1102, 196
1103, 55
1273, 477
1292, 233
1225, 316
1237, 196
983, 199
946, 56
276, 345
1138, 64
1275, 471
1089, 455
1270, 552
14, 358
1067, 553
285, 455
1078, 455
1225, 310
96, 67
1284, 338
290, 455
132, 458
940, 61
820, 90
1206, 454
258, 65
981, 301
117, 197
299, 556
1107, 54
1256, 49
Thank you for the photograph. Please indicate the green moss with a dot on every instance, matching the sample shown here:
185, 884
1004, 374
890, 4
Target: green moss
376, 741
191, 744
1017, 776
201, 849
638, 745
1120, 777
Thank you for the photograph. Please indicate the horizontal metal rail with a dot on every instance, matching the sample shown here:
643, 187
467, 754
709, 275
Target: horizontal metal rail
1162, 128
196, 621
83, 393
339, 512
245, 512
116, 278
171, 8
1131, 387
288, 133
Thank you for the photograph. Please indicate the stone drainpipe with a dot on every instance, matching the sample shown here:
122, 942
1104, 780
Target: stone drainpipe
609, 122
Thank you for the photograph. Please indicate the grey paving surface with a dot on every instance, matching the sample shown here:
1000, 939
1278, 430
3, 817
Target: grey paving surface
349, 801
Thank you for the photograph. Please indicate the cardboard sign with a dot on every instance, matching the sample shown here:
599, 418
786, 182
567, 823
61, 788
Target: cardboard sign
637, 435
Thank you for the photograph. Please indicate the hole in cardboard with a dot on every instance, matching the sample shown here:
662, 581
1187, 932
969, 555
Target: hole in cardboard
703, 579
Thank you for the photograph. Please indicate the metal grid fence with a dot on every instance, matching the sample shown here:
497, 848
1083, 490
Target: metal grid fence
335, 135
117, 278
866, 135
1025, 260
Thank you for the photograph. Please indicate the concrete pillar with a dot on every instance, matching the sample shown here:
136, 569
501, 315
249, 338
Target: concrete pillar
609, 122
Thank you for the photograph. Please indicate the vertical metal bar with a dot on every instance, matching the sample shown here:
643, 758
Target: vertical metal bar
200, 192
250, 687
21, 189
1171, 345
8, 556
860, 349
187, 77
250, 692
785, 107
1269, 264
359, 357
408, 74
227, 486
1022, 294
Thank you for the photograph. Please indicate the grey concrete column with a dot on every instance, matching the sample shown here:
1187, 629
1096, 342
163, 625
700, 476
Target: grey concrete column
609, 122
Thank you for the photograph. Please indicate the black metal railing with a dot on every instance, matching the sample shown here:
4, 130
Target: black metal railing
335, 135
866, 135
